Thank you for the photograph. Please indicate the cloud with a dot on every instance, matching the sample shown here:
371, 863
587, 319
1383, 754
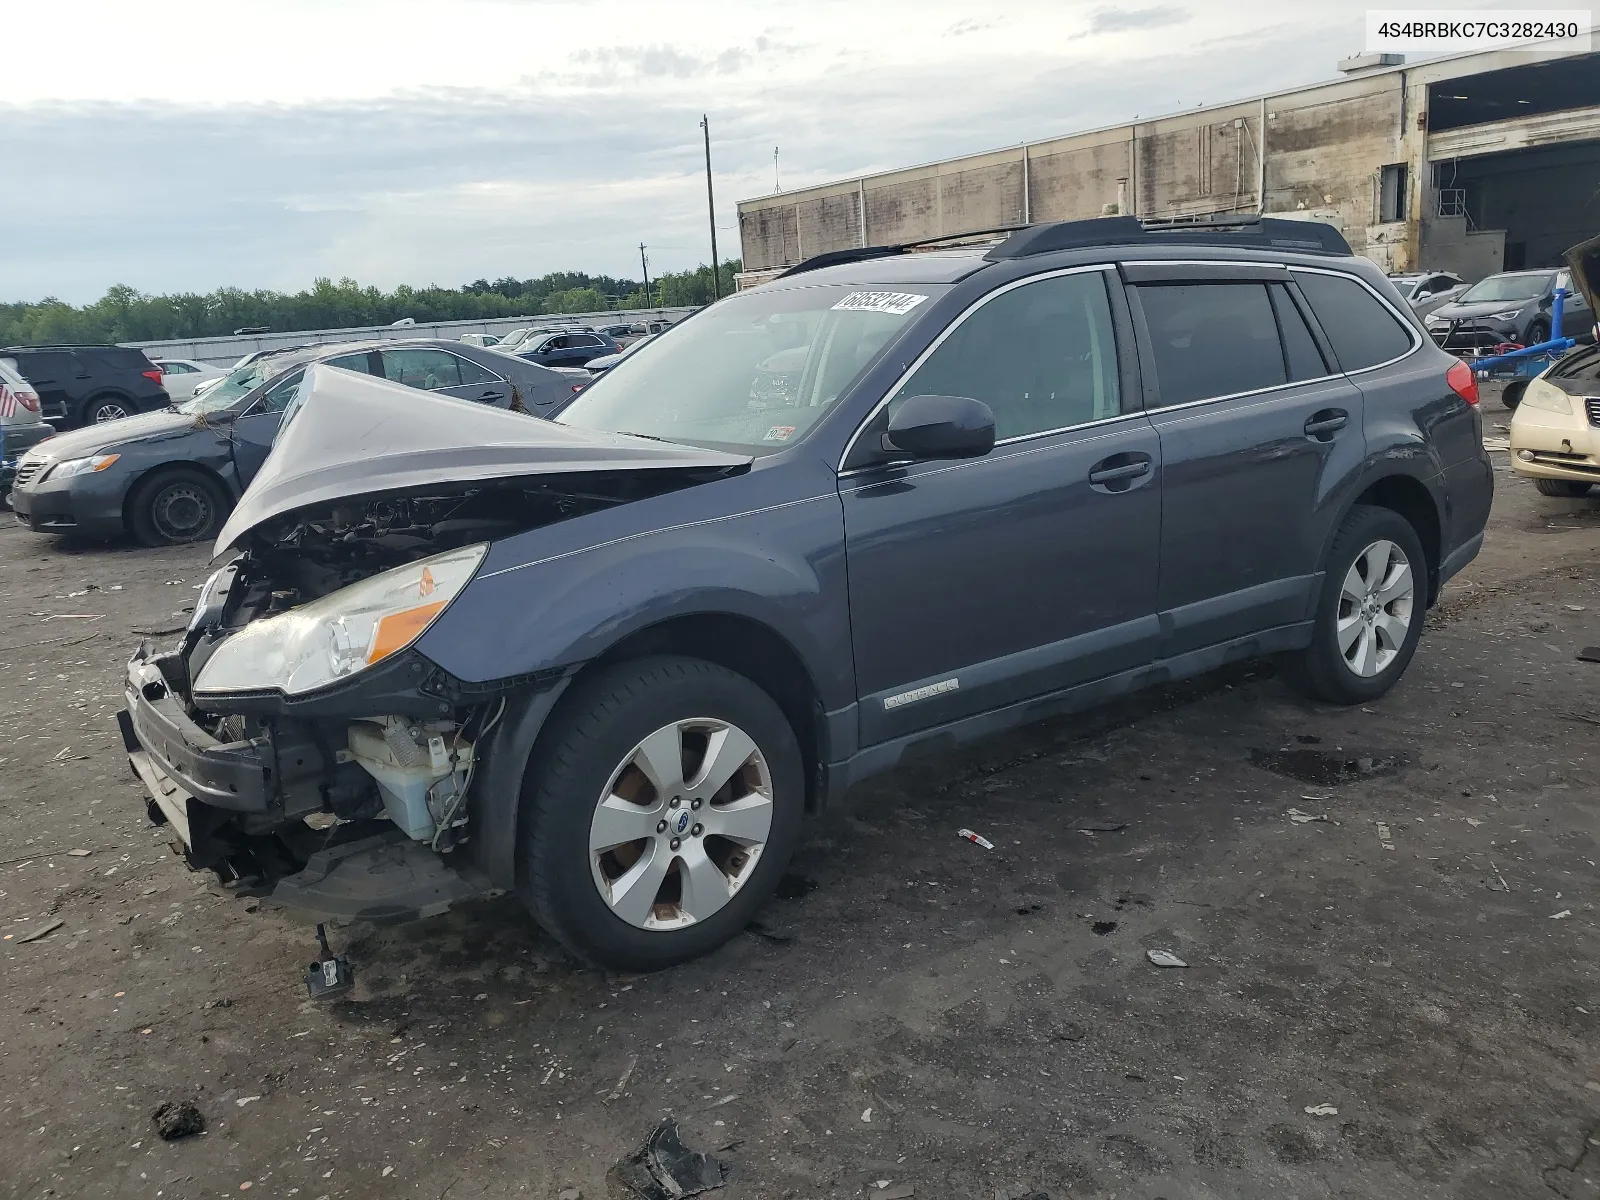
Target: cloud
968, 25
1121, 20
573, 166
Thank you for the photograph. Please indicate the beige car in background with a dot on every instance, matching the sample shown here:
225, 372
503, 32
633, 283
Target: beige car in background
1555, 431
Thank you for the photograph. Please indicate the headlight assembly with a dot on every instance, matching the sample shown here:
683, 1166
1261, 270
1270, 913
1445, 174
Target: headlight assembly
1539, 394
1509, 314
342, 633
68, 467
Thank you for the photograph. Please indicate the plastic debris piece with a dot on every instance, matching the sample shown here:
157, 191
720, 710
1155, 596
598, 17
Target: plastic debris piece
1565, 912
866, 1115
627, 1074
1164, 958
1321, 1110
1589, 654
243, 1100
178, 1119
728, 1099
977, 839
1302, 818
33, 935
1104, 827
665, 1169
1384, 836
80, 853
897, 1191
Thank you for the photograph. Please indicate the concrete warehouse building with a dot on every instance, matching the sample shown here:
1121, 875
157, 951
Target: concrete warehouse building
1475, 163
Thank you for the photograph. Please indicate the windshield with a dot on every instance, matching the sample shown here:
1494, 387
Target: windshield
1506, 287
754, 372
240, 382
512, 339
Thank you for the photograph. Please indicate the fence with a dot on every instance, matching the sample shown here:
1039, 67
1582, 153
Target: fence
223, 351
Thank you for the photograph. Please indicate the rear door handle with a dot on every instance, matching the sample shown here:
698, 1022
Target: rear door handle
491, 394
1329, 420
1119, 468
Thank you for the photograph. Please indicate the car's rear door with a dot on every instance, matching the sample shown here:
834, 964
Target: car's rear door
980, 584
1257, 430
54, 375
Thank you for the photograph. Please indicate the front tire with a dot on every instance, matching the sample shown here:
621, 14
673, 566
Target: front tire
1369, 616
176, 506
1569, 489
1538, 331
1512, 395
633, 753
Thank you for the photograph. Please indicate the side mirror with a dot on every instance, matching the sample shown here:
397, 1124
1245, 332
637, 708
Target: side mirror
941, 427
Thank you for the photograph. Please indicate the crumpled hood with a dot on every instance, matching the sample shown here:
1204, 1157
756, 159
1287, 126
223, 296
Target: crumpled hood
1584, 259
349, 435
93, 439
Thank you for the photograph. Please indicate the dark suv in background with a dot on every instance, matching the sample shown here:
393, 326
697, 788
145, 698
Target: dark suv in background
85, 385
611, 661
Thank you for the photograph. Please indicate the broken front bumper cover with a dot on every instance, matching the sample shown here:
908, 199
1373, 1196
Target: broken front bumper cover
225, 800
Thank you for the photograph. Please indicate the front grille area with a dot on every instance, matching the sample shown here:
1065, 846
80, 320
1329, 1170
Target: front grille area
28, 470
1592, 405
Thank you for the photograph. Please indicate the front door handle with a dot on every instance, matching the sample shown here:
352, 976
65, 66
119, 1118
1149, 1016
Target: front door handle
1327, 421
492, 394
1119, 469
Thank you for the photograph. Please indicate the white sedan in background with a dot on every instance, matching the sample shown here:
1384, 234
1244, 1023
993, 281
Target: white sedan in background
180, 376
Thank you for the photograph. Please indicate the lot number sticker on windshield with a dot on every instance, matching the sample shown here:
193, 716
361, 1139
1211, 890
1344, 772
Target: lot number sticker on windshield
896, 304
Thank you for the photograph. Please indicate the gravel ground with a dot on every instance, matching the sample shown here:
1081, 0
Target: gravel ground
1420, 957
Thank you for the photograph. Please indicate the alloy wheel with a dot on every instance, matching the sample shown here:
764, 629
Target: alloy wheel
109, 410
681, 824
1376, 604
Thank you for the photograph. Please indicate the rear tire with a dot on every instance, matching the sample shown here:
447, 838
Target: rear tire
97, 410
176, 506
588, 760
1370, 614
1569, 489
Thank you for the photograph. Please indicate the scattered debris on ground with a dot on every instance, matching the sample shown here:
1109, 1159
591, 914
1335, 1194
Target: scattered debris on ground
975, 838
1164, 958
178, 1119
665, 1169
1321, 1110
33, 935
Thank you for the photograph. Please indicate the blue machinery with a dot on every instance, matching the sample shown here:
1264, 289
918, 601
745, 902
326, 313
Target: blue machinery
1532, 360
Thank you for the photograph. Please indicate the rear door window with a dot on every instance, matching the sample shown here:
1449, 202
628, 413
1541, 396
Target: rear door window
1364, 333
360, 363
429, 370
472, 372
1212, 339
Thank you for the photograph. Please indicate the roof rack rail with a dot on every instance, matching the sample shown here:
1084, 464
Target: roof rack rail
833, 258
1246, 231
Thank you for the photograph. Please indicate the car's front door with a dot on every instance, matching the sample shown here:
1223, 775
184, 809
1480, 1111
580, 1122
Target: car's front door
440, 371
984, 583
1257, 430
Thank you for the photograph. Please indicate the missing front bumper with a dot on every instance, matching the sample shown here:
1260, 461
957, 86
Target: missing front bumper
227, 804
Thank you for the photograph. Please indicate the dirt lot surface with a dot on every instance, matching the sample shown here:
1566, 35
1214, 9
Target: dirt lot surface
918, 1011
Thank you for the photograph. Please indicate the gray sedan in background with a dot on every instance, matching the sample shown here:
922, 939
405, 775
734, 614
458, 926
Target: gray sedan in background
173, 476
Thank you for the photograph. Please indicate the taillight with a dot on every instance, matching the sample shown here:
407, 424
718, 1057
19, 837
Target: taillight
28, 400
1463, 382
153, 374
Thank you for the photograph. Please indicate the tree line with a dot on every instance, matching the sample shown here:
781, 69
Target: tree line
126, 315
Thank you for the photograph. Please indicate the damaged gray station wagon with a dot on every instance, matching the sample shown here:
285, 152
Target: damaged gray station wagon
890, 502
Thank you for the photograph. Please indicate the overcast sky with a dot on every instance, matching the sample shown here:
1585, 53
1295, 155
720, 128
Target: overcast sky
178, 145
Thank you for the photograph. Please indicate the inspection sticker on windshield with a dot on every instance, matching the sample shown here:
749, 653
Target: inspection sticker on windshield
896, 304
778, 433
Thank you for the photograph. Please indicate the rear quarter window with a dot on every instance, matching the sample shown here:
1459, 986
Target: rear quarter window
1363, 331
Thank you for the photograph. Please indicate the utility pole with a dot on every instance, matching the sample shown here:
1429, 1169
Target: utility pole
646, 269
776, 185
711, 211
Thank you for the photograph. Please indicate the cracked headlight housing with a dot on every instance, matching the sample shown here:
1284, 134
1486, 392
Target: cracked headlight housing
340, 634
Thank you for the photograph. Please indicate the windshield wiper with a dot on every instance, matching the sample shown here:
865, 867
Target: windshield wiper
649, 437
